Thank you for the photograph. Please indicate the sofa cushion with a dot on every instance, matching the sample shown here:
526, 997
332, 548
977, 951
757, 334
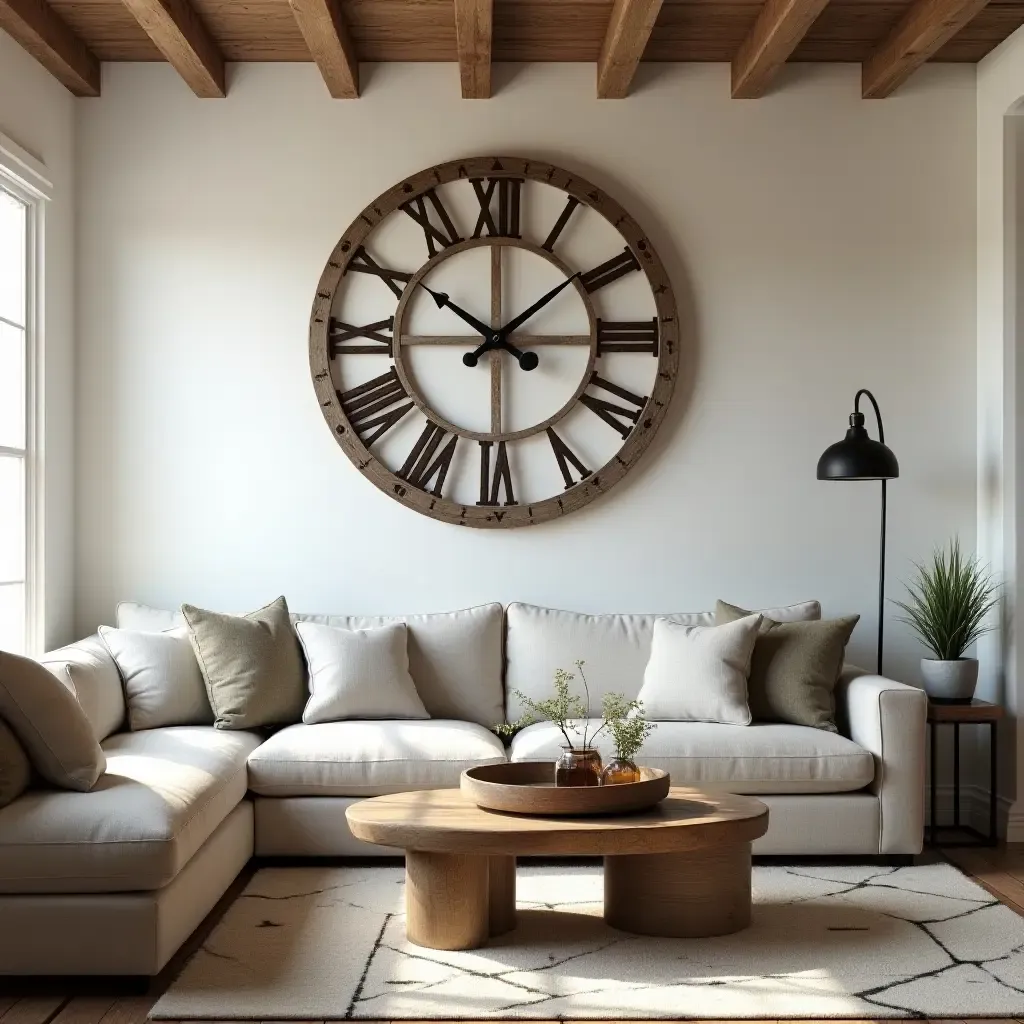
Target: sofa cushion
742, 759
163, 794
369, 758
615, 648
455, 658
89, 672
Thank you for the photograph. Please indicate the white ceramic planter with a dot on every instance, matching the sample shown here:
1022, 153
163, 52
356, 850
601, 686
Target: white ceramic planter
950, 682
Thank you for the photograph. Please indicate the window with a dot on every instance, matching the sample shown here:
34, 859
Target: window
21, 213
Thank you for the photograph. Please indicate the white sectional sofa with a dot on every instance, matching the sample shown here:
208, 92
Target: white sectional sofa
114, 880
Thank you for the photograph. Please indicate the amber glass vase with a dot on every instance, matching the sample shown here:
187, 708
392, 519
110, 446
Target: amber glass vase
619, 771
578, 768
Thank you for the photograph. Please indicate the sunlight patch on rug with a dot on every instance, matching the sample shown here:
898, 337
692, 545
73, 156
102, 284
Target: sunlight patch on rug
849, 941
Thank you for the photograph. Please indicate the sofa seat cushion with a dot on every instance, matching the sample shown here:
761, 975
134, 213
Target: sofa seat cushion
163, 794
742, 759
370, 758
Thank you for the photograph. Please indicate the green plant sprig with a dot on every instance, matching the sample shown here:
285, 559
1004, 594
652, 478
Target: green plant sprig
626, 725
948, 601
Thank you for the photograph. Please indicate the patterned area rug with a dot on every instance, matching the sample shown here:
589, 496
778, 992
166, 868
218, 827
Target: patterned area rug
860, 942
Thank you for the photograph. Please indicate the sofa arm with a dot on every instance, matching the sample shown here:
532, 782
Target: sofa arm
889, 719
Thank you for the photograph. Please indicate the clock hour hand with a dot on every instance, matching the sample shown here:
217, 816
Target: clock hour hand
442, 300
517, 322
527, 360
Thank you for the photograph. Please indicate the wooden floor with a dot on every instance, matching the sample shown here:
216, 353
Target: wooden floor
103, 1001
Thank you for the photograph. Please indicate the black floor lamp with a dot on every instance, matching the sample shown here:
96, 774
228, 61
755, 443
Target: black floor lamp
857, 457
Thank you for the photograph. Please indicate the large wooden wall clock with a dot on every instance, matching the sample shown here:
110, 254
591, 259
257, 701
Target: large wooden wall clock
494, 342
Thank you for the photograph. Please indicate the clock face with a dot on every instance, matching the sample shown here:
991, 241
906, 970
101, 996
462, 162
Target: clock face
494, 342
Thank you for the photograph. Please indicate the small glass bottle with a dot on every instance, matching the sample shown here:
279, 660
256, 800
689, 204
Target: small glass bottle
578, 768
619, 771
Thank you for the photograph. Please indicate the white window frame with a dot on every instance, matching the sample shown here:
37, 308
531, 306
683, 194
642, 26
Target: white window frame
26, 178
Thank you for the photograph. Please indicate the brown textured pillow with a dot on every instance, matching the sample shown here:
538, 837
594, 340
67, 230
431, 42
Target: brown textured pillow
795, 667
251, 664
15, 771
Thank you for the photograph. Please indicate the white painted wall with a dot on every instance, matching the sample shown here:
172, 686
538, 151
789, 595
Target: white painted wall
821, 243
1000, 181
38, 113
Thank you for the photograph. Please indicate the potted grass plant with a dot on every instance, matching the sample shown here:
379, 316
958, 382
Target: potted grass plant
947, 604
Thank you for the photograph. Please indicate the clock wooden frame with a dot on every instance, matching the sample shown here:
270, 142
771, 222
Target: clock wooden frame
402, 486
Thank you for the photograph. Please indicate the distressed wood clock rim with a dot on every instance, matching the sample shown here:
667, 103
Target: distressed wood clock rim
580, 493
408, 378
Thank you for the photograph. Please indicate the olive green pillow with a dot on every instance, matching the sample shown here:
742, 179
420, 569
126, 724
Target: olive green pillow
251, 664
795, 667
15, 771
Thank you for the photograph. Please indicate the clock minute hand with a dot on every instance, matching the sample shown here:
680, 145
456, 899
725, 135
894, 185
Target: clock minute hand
442, 300
516, 322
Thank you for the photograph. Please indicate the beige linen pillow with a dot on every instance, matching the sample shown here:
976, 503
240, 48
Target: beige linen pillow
162, 682
795, 667
358, 673
15, 770
699, 673
50, 724
251, 664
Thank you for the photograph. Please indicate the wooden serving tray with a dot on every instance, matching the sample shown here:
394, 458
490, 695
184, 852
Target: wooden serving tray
528, 787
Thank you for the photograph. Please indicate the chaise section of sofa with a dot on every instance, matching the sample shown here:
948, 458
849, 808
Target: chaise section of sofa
114, 880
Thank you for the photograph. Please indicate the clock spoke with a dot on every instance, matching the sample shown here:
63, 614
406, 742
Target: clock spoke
497, 257
530, 340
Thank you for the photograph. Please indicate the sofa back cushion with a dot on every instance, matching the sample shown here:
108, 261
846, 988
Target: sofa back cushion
89, 672
455, 658
615, 649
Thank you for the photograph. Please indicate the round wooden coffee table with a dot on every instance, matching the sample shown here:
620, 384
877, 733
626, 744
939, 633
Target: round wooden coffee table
679, 869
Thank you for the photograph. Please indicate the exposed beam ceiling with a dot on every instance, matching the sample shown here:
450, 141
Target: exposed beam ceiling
629, 28
473, 30
924, 29
779, 28
323, 27
182, 38
43, 34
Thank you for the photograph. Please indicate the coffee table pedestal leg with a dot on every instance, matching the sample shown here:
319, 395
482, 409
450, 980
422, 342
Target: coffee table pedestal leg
502, 884
446, 900
684, 895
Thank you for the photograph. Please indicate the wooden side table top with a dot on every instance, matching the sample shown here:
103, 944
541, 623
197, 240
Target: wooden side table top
445, 821
976, 711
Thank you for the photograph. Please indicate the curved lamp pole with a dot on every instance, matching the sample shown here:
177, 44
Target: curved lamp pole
858, 457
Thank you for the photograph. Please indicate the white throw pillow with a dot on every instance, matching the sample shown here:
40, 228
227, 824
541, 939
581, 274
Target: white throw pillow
358, 673
162, 681
699, 673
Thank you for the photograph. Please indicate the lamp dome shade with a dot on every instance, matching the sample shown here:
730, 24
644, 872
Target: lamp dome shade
858, 457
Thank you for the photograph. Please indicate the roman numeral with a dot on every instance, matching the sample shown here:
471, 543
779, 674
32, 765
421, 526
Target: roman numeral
610, 270
490, 486
375, 407
566, 456
419, 470
609, 411
364, 263
563, 218
504, 222
340, 332
438, 238
627, 336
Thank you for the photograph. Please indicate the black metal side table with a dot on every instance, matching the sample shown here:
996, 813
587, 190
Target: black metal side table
978, 712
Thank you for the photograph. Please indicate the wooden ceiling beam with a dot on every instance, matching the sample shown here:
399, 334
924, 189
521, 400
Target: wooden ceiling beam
919, 35
35, 25
326, 34
474, 21
630, 27
779, 28
182, 38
